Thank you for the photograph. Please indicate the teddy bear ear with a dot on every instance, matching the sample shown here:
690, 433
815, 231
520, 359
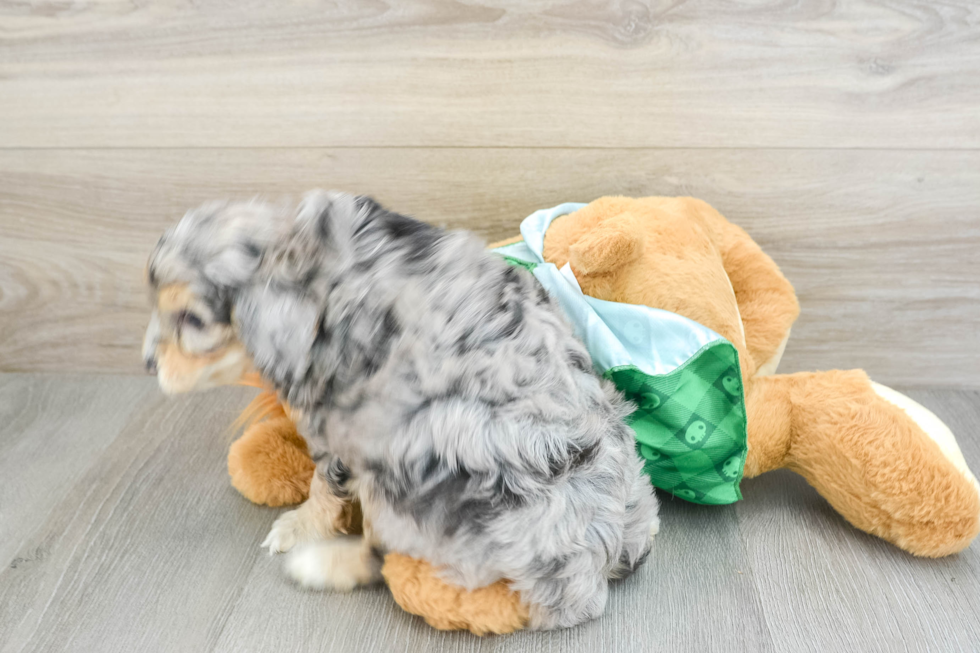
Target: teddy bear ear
609, 246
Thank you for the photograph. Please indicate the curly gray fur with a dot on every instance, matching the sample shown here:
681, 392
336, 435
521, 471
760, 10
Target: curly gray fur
441, 384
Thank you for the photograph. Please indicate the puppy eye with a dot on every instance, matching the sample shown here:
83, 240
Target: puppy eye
193, 320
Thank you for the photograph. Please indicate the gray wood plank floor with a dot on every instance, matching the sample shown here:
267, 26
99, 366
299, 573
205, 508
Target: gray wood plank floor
119, 531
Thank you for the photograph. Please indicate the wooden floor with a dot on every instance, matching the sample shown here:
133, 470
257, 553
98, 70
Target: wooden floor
120, 532
844, 135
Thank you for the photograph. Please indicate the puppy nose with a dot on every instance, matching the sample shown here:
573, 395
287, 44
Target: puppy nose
151, 366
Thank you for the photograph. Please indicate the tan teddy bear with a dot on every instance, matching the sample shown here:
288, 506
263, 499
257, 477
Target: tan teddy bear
888, 465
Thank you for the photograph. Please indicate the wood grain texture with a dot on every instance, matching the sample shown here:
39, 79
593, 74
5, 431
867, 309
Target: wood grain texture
831, 588
556, 73
143, 553
708, 569
41, 456
152, 550
881, 246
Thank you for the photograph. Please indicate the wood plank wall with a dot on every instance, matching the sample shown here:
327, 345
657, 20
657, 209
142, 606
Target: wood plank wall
844, 136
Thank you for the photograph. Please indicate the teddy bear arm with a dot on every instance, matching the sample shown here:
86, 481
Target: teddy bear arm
270, 464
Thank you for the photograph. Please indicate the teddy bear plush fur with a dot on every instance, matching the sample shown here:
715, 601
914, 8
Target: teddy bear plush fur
888, 465
270, 463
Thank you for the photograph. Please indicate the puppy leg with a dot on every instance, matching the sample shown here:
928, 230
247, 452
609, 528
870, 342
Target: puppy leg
563, 602
322, 516
340, 564
343, 563
641, 525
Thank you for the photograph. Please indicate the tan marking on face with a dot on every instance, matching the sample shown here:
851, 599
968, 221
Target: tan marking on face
174, 298
179, 364
181, 372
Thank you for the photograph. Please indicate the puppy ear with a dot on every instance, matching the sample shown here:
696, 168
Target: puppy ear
611, 245
234, 264
278, 327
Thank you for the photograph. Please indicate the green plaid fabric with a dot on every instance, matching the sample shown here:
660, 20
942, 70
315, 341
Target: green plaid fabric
527, 265
690, 424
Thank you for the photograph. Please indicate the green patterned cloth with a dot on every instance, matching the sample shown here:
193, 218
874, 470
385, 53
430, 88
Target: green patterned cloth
690, 424
684, 378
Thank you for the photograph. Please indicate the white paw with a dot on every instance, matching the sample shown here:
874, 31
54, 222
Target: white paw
292, 528
654, 527
339, 565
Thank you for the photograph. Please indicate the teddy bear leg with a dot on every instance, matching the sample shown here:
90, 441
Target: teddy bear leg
888, 465
768, 367
417, 588
270, 464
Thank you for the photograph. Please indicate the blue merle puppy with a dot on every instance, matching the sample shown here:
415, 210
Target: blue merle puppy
433, 382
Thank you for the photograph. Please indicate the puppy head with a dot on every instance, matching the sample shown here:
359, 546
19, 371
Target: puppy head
233, 278
188, 345
194, 273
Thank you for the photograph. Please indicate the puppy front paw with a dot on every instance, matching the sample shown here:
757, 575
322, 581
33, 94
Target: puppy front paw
292, 528
339, 565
